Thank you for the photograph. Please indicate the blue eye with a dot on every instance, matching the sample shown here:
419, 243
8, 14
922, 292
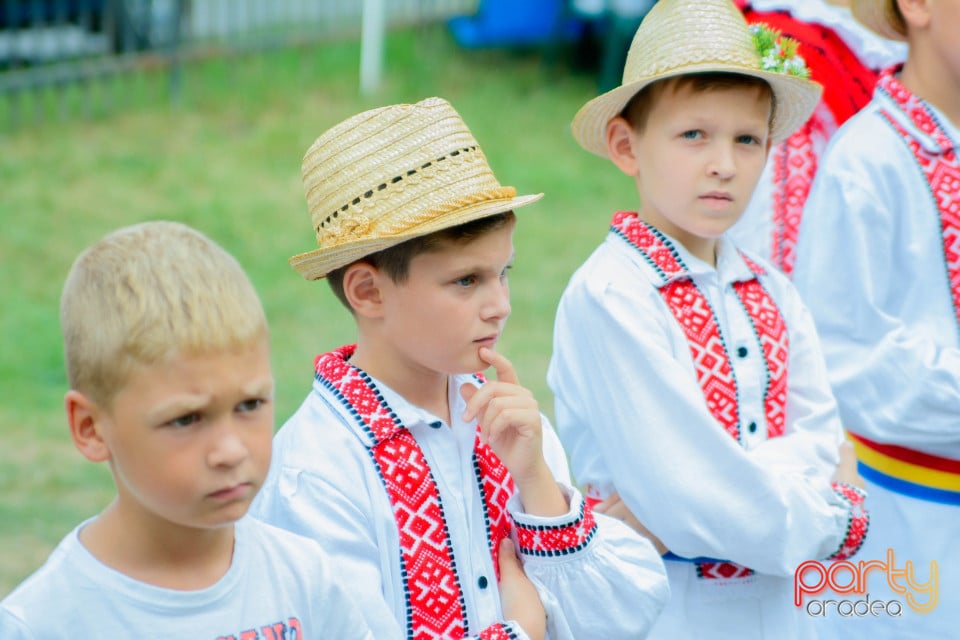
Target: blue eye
467, 281
748, 139
693, 134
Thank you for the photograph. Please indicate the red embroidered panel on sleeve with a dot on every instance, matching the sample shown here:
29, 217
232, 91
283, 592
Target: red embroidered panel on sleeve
857, 522
498, 632
558, 540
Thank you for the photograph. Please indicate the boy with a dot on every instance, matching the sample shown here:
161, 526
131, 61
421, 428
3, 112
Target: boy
168, 361
843, 56
877, 264
417, 471
672, 349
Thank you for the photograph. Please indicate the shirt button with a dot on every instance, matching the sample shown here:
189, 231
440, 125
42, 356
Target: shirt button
752, 427
742, 352
436, 425
482, 582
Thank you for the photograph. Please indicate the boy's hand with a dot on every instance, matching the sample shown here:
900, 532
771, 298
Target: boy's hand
509, 417
509, 420
518, 596
847, 468
614, 507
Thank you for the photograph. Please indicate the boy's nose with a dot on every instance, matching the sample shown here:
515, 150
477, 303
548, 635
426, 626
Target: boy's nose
498, 306
228, 448
722, 163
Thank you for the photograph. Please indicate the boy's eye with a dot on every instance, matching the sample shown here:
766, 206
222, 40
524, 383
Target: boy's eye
748, 139
692, 134
467, 281
250, 405
185, 420
503, 274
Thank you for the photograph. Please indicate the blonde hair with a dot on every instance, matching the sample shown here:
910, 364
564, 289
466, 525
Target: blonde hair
145, 292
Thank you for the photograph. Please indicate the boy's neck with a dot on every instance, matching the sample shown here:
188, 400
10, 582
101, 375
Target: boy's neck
925, 75
167, 556
418, 386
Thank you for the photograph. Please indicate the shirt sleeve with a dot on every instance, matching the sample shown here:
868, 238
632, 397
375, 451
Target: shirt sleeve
596, 577
620, 388
870, 267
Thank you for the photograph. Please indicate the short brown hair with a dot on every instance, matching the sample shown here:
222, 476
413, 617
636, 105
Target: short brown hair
395, 260
638, 109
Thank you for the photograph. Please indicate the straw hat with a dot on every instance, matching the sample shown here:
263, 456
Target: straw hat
679, 37
880, 16
391, 174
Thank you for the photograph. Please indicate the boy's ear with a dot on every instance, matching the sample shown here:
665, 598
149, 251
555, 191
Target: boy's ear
620, 141
361, 287
916, 13
84, 418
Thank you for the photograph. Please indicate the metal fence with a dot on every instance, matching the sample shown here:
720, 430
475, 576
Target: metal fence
59, 58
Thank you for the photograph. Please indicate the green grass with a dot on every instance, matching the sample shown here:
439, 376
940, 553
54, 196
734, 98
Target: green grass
226, 160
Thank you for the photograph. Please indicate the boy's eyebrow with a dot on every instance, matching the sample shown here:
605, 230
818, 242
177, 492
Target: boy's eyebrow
263, 387
187, 402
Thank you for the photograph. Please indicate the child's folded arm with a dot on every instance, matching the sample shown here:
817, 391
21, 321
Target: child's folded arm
733, 508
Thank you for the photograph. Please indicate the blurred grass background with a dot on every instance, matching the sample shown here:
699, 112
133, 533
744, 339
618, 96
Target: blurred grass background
226, 159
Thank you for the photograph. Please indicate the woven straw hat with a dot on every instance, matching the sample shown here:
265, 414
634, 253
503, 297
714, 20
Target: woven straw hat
391, 174
880, 16
679, 37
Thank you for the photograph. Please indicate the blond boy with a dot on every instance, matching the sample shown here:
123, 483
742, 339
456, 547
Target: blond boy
168, 361
690, 389
420, 474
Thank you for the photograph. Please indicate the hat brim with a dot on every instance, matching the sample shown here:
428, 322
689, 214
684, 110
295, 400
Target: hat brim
796, 98
317, 263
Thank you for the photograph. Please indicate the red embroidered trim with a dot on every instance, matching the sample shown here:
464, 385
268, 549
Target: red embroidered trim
498, 632
435, 604
560, 540
432, 587
794, 165
942, 171
497, 486
771, 329
857, 522
712, 363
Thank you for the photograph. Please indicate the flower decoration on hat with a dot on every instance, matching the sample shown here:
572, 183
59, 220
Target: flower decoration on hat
778, 53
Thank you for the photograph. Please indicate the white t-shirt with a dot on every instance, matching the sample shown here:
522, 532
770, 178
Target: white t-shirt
279, 587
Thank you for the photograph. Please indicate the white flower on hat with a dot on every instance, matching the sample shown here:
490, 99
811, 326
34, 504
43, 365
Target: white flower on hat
778, 53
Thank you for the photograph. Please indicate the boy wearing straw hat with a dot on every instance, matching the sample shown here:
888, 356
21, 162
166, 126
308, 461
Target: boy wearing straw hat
877, 263
690, 389
423, 476
168, 359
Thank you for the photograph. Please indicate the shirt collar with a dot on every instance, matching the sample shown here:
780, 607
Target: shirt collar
405, 414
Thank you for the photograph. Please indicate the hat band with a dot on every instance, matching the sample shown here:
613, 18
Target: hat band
396, 179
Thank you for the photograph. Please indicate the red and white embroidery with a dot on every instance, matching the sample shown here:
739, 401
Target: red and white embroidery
857, 523
714, 373
794, 165
942, 170
434, 596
